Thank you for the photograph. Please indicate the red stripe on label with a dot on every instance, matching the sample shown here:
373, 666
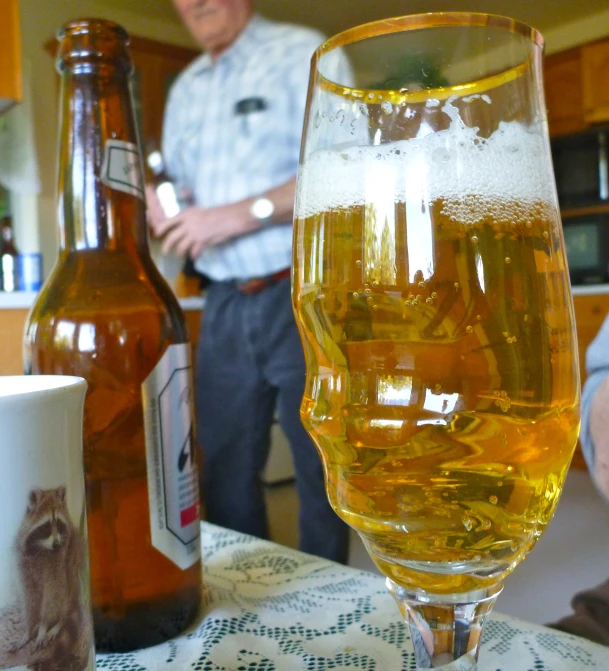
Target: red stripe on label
189, 515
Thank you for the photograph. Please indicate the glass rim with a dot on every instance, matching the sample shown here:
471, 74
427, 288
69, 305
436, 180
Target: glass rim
410, 22
426, 20
18, 386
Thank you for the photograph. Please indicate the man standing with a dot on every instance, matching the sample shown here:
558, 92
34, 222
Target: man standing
232, 136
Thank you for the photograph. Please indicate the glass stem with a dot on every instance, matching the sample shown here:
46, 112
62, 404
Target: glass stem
445, 629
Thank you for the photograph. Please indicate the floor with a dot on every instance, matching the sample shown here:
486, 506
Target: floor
572, 555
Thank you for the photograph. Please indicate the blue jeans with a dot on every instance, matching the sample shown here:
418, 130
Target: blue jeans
250, 364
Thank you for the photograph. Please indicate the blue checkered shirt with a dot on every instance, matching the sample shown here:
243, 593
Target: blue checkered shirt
232, 131
597, 366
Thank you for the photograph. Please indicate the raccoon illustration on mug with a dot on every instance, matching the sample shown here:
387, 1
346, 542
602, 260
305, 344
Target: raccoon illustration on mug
54, 623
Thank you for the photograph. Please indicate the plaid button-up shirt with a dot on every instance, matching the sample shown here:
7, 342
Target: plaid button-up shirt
232, 131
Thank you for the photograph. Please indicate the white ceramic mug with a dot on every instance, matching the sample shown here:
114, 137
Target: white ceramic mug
45, 612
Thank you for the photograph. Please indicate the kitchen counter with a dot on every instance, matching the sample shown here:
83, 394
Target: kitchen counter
591, 307
590, 290
23, 300
14, 308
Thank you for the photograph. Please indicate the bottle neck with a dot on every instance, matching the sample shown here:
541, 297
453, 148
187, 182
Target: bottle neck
101, 185
7, 245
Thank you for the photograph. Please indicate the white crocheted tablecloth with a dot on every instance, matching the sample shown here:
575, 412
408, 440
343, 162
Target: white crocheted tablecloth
271, 608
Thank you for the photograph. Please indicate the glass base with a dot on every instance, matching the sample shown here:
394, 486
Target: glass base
445, 629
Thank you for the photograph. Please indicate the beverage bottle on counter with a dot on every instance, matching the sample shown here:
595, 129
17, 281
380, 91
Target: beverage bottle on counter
8, 257
172, 198
106, 314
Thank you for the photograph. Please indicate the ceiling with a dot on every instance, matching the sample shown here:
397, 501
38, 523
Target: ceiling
332, 16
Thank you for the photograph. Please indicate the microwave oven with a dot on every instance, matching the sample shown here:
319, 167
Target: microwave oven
581, 168
587, 246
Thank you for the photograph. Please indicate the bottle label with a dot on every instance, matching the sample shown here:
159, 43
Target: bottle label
173, 485
122, 168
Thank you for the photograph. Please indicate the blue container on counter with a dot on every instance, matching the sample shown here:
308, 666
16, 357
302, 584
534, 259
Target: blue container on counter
29, 272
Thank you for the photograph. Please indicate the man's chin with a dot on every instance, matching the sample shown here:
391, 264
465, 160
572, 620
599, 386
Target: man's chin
211, 40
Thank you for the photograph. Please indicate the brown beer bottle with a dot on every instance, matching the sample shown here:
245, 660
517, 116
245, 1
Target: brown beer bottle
106, 314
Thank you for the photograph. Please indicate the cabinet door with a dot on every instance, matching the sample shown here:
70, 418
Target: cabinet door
156, 66
145, 99
563, 85
10, 54
595, 71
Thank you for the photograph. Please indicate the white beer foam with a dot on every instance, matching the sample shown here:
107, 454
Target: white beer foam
496, 177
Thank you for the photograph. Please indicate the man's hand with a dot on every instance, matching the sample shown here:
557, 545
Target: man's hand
155, 213
195, 228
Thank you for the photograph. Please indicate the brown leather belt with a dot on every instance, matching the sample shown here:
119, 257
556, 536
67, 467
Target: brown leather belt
258, 284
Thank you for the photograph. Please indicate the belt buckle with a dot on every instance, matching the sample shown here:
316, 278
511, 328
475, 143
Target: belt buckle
253, 286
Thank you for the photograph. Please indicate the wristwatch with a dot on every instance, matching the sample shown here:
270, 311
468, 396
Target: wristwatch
262, 208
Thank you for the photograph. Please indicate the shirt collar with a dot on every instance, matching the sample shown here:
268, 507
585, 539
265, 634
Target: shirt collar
239, 49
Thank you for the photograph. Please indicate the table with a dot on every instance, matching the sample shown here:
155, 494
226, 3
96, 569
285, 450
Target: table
271, 608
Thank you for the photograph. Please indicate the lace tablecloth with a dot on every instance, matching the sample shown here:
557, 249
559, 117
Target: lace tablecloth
271, 608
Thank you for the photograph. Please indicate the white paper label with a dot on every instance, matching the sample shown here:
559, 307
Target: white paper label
122, 168
173, 485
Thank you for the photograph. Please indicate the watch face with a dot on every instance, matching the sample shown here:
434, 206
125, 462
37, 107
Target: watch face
263, 208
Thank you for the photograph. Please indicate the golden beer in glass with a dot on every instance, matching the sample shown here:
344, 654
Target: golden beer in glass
432, 295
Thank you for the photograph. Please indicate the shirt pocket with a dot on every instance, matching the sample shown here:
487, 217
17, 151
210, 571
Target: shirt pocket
258, 135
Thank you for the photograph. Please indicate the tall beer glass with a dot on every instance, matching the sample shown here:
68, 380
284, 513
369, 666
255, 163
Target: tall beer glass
433, 300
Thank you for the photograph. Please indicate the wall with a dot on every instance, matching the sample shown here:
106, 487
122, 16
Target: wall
35, 216
570, 34
35, 220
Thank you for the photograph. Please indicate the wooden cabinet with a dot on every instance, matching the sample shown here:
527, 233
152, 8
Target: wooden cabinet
10, 54
595, 81
577, 88
563, 86
156, 66
590, 313
577, 97
12, 325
